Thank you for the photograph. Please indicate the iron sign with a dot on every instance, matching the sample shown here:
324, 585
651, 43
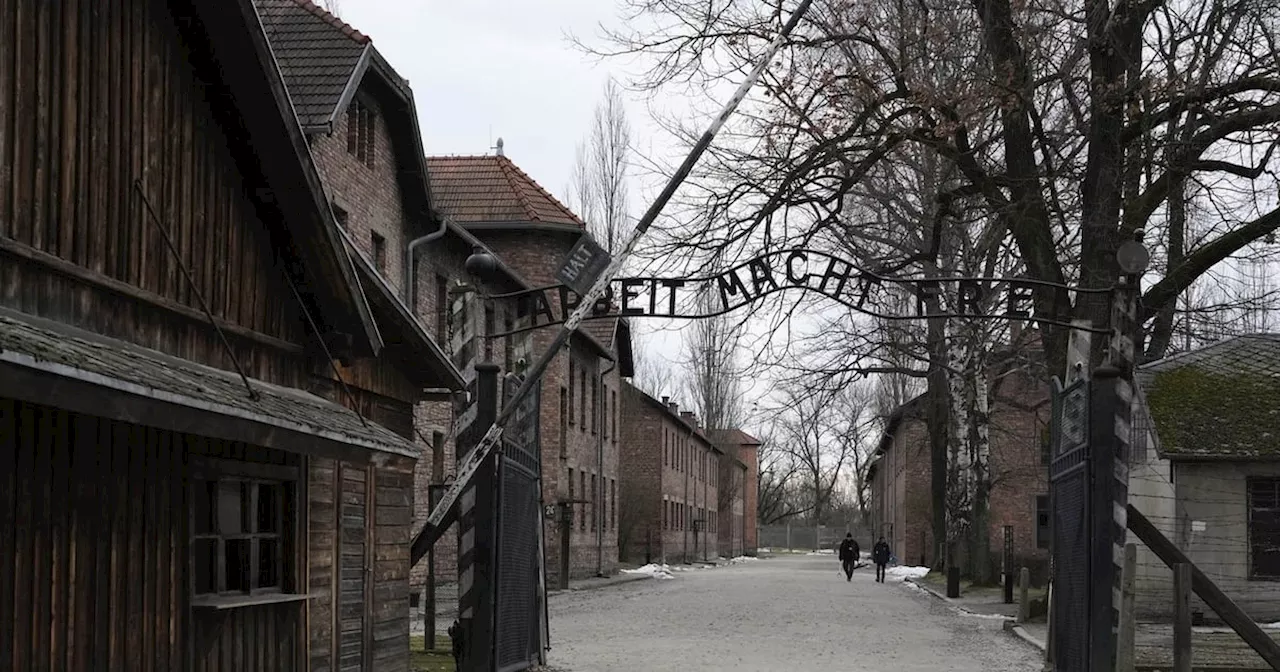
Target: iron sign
809, 270
583, 266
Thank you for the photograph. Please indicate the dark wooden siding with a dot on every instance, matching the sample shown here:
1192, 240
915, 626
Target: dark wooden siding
93, 96
357, 543
96, 576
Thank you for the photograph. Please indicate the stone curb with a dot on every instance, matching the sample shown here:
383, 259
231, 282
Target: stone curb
612, 581
942, 596
1022, 634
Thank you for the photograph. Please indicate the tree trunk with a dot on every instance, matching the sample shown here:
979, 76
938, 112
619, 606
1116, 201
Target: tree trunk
938, 418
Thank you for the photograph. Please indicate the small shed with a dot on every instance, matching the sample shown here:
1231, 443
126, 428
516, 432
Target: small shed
1208, 469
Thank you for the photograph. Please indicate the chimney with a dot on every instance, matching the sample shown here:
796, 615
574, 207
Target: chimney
689, 417
673, 407
666, 401
499, 147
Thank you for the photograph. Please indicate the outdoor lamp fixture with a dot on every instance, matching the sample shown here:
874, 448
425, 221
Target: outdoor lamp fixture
1132, 256
481, 264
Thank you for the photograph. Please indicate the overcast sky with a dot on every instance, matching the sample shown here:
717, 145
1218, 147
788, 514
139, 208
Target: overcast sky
484, 69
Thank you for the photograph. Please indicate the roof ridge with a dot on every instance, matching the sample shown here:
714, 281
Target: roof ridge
1176, 358
506, 162
333, 20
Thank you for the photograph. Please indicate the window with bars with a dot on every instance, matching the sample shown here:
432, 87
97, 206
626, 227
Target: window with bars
573, 379
379, 245
1264, 528
582, 487
595, 403
490, 320
238, 544
360, 135
582, 405
614, 396
1042, 521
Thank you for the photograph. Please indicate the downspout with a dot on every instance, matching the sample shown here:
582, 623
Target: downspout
604, 420
688, 514
410, 287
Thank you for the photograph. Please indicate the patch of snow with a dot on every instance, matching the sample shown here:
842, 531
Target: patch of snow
824, 551
764, 550
902, 573
655, 571
743, 558
1271, 626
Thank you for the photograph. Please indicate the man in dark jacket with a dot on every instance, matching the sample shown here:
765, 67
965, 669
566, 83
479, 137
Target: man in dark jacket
849, 553
880, 555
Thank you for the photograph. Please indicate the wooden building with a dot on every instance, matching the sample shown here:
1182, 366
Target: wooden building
206, 406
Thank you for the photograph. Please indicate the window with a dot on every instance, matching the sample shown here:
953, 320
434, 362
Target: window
565, 415
666, 513
1264, 528
489, 321
595, 402
613, 503
360, 132
604, 412
614, 395
508, 344
1042, 521
595, 512
572, 380
442, 311
379, 252
570, 483
582, 483
238, 541
582, 385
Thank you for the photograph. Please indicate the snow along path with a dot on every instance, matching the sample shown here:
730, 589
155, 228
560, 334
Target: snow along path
793, 614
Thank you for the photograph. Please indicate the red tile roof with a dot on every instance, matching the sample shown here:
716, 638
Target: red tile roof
474, 189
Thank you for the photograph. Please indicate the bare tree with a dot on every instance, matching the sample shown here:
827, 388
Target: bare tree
654, 374
599, 181
1058, 126
713, 377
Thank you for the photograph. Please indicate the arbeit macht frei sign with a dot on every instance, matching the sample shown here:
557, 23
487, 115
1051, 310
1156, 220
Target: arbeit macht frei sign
840, 280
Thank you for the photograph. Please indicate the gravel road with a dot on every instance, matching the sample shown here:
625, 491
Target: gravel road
792, 613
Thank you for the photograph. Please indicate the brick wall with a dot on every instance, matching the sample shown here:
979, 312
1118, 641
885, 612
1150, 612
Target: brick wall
670, 474
369, 195
567, 446
902, 487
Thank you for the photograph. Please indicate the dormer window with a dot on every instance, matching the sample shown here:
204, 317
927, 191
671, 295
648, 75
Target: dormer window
360, 132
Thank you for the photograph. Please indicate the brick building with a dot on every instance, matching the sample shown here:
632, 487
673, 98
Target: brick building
499, 204
671, 477
359, 118
900, 477
739, 472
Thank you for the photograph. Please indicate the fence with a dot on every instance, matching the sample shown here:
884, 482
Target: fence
1178, 614
801, 537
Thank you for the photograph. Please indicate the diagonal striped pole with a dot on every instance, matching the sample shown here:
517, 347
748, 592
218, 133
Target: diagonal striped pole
441, 516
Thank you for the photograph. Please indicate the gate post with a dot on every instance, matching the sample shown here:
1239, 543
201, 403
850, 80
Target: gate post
476, 531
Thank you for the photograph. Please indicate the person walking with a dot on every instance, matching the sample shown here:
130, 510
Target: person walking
849, 553
880, 555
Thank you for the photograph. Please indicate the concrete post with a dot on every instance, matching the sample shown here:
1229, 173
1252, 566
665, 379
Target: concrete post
1128, 619
1024, 595
1182, 617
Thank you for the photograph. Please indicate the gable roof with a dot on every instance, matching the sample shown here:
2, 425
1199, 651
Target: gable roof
318, 55
910, 409
231, 50
1221, 401
493, 190
736, 437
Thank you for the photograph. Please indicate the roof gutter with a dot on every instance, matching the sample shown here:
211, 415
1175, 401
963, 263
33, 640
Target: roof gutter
602, 409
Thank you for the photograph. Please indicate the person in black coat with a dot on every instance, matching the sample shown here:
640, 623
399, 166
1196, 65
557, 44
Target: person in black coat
849, 553
880, 555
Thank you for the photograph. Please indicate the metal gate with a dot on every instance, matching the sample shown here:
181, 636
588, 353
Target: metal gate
518, 619
1071, 547
1085, 482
